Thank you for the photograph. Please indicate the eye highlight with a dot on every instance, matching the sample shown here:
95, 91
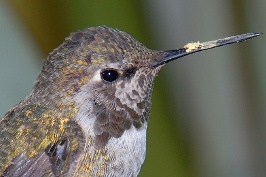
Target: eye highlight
109, 75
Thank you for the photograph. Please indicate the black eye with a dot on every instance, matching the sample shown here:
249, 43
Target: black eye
109, 75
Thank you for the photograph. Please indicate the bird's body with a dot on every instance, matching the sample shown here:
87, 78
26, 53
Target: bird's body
88, 111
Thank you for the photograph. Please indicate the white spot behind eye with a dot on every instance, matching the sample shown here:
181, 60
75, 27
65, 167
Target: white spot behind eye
97, 76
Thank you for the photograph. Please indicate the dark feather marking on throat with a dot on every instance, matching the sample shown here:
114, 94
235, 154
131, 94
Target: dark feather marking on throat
113, 123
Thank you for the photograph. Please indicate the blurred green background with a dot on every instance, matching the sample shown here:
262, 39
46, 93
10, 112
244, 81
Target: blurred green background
208, 115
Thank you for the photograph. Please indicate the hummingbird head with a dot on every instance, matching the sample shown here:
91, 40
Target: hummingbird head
107, 74
107, 77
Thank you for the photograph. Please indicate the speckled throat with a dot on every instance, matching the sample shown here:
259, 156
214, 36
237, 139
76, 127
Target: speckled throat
111, 109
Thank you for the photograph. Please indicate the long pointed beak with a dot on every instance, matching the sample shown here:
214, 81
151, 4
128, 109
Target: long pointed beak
191, 48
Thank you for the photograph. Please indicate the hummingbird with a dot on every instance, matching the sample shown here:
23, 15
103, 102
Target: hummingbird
87, 113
